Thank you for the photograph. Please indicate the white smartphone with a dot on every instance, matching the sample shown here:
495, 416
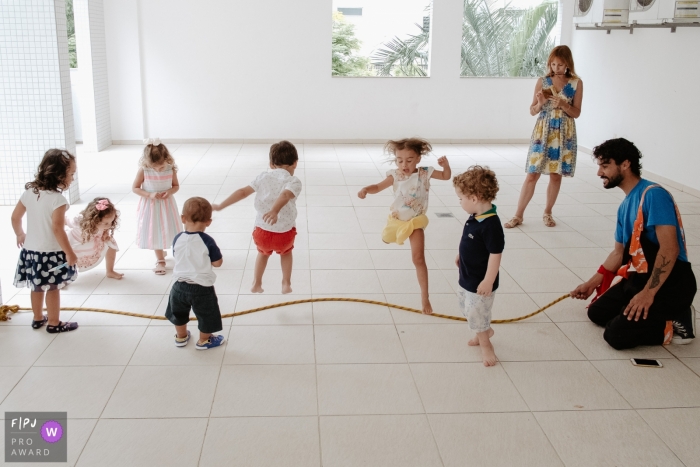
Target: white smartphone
646, 362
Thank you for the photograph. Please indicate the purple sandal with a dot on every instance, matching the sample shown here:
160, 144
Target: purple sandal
62, 327
39, 324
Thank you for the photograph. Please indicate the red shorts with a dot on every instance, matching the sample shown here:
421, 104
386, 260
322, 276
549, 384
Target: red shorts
279, 242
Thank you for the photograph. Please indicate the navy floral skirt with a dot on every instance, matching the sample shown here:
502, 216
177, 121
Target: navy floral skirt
33, 270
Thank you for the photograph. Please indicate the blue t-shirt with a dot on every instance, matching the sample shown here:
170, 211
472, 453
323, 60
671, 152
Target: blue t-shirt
658, 209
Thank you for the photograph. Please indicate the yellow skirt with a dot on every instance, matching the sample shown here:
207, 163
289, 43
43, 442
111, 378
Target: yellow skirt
397, 231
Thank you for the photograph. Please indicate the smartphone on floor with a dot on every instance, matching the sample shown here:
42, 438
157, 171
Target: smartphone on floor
646, 362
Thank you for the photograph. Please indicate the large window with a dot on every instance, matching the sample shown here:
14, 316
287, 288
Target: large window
381, 37
508, 38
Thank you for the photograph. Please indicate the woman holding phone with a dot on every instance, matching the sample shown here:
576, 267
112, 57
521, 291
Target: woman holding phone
556, 102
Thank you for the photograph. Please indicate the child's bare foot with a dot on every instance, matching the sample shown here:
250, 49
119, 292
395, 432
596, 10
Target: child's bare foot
257, 288
427, 307
475, 340
286, 288
114, 275
487, 354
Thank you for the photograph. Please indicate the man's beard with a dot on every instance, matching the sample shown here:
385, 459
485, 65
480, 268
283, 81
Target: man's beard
613, 182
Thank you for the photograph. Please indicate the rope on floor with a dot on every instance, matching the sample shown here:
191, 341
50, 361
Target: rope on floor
7, 310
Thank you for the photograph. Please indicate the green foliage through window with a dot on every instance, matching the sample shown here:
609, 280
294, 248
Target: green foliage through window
507, 41
501, 42
344, 46
70, 23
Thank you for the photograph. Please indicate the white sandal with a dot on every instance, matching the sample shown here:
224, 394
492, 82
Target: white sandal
160, 269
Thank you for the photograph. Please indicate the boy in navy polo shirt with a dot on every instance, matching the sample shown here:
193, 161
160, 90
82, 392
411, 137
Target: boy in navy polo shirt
479, 254
195, 254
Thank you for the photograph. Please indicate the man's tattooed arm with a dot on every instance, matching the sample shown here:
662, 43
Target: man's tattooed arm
665, 258
655, 280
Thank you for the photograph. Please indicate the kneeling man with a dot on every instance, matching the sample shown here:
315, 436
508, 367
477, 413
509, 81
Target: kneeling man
652, 304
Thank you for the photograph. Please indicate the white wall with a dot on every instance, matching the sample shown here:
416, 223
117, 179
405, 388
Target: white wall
643, 87
36, 112
219, 69
75, 93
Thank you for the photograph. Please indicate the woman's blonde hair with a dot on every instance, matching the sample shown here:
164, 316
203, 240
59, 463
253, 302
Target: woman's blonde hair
97, 210
156, 154
563, 53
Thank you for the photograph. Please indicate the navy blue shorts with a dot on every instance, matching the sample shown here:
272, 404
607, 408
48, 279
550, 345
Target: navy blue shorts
202, 300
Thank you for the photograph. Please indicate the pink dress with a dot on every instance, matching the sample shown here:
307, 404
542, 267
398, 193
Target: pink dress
158, 219
92, 252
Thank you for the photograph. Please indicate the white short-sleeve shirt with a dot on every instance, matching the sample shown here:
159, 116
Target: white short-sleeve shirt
40, 208
410, 193
268, 186
194, 252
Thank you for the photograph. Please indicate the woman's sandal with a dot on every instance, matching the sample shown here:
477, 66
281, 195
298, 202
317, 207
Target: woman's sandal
160, 268
513, 222
62, 327
548, 220
39, 324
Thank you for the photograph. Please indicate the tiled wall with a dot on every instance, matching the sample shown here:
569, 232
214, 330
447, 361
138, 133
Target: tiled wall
92, 66
36, 111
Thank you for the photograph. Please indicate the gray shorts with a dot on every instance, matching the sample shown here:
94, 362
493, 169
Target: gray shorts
477, 309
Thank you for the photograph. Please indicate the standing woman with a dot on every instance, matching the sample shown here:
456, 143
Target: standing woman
557, 102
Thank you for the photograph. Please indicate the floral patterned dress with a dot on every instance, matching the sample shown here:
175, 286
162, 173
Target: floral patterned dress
410, 193
553, 143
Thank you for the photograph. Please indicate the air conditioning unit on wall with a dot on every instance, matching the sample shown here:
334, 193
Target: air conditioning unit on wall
602, 12
664, 11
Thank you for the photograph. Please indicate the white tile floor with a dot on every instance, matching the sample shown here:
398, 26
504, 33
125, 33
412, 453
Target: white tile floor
342, 384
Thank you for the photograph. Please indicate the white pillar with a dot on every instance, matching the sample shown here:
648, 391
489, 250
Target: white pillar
36, 109
92, 66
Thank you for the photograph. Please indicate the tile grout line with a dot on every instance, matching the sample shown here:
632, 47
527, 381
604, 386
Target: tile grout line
99, 417
420, 397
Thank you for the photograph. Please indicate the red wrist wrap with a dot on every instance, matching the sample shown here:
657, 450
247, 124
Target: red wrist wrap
605, 284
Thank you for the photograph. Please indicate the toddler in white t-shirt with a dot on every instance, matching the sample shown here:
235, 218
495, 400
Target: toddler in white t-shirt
276, 192
196, 254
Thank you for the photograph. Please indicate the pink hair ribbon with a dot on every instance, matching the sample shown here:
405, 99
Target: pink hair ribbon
102, 204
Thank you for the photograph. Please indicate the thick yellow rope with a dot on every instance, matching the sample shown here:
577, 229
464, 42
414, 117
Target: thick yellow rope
6, 310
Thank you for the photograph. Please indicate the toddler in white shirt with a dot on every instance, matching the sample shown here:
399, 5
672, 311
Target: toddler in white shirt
276, 192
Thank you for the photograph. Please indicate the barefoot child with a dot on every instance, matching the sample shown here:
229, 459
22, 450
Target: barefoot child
479, 254
411, 187
158, 217
46, 261
193, 288
91, 235
276, 192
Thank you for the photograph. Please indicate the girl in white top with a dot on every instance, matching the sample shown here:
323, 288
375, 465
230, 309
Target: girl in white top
276, 192
46, 261
91, 235
407, 217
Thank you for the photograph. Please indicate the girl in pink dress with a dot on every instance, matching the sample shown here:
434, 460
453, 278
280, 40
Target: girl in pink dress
158, 217
91, 235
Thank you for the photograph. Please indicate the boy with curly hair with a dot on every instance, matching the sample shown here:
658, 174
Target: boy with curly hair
479, 254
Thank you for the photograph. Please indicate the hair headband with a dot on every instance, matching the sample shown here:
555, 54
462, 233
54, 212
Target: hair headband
153, 141
102, 204
65, 154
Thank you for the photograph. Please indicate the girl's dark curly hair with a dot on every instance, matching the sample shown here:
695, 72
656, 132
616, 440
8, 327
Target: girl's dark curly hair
52, 172
92, 216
